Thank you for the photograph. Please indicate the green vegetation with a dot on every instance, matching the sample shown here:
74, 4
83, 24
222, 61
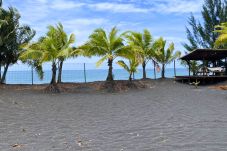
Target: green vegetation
222, 39
141, 43
53, 47
12, 36
108, 46
131, 48
164, 56
134, 61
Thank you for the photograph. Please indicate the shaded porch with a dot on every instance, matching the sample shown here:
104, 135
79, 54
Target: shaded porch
213, 66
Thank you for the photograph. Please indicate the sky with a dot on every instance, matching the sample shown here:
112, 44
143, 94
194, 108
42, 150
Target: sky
166, 18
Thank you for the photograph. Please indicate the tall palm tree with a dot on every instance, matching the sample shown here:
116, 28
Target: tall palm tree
165, 55
65, 48
108, 46
54, 47
222, 38
141, 42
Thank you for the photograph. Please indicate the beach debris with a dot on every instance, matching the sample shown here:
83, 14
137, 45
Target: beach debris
79, 142
17, 145
23, 130
37, 134
82, 142
196, 83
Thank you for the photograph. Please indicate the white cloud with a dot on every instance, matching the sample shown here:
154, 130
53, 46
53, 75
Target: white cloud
64, 5
133, 6
83, 27
85, 21
118, 8
177, 6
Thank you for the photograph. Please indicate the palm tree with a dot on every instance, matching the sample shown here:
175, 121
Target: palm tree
221, 41
141, 42
65, 48
165, 56
54, 47
134, 61
108, 46
12, 36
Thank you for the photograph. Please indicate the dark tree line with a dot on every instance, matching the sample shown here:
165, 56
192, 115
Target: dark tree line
200, 34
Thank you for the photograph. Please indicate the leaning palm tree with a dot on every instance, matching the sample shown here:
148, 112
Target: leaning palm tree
108, 46
51, 48
222, 39
141, 42
134, 61
165, 56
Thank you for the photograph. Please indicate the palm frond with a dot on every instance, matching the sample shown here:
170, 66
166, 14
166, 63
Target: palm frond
123, 65
99, 63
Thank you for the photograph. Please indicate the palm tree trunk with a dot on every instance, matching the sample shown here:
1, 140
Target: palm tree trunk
60, 72
54, 71
130, 76
163, 70
154, 69
110, 72
53, 87
144, 70
4, 73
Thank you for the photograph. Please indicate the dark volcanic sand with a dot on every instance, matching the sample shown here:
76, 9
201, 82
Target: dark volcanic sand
164, 117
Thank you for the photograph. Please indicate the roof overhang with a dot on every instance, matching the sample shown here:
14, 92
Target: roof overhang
206, 54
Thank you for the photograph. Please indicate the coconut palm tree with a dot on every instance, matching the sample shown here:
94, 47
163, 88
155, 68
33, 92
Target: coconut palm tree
141, 42
64, 48
54, 47
106, 45
164, 55
134, 61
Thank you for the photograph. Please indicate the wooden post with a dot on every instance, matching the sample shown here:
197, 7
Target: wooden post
203, 67
189, 71
189, 68
154, 70
32, 68
226, 66
85, 76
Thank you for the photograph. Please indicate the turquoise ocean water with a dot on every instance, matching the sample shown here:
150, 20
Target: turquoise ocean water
25, 77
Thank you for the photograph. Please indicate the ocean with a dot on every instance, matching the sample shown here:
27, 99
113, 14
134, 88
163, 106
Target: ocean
25, 77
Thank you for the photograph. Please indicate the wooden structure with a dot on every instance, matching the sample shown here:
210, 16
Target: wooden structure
211, 56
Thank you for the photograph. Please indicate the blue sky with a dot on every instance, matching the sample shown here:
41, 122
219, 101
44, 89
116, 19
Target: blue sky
167, 18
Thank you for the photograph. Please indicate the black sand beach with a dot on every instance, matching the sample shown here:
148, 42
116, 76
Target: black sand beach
167, 116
